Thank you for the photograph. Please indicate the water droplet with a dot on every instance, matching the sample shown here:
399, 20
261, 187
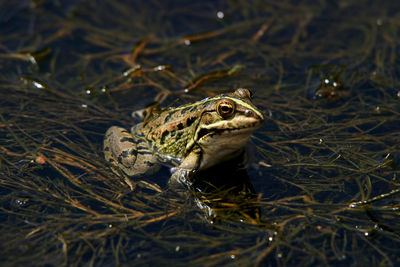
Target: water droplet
84, 105
186, 42
37, 85
366, 233
326, 81
32, 60
159, 67
177, 248
279, 255
233, 256
220, 15
88, 92
379, 22
20, 202
335, 84
270, 238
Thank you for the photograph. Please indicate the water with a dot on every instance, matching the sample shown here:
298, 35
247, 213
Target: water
69, 70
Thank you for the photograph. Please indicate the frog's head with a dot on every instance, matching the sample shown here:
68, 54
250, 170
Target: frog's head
226, 126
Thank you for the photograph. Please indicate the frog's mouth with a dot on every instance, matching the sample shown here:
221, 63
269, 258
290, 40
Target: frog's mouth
208, 132
204, 132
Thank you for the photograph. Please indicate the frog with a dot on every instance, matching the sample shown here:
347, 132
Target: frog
187, 138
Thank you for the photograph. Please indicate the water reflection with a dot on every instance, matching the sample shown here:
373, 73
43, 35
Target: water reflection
225, 193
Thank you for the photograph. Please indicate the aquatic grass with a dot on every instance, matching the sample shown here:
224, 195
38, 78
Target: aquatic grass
326, 170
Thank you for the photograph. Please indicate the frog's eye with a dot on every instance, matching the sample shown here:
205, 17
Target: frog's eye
244, 93
225, 108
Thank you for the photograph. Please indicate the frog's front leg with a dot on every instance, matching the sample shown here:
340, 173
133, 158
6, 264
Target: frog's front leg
184, 172
129, 153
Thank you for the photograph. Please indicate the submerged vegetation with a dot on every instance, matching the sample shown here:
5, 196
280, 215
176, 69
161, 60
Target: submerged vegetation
323, 185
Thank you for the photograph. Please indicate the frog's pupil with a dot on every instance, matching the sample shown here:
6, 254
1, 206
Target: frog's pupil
226, 108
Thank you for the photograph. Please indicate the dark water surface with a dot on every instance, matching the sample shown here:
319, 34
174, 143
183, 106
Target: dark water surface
321, 188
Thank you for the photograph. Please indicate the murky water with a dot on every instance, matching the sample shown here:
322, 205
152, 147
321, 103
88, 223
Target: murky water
322, 184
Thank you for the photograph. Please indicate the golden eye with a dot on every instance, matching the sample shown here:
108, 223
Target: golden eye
225, 108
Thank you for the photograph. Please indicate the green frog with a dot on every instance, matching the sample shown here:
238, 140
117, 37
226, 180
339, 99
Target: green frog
187, 138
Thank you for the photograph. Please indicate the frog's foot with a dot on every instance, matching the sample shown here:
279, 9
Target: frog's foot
181, 177
147, 112
138, 115
128, 153
186, 169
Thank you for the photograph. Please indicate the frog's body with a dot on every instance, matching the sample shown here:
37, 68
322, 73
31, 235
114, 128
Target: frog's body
190, 137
